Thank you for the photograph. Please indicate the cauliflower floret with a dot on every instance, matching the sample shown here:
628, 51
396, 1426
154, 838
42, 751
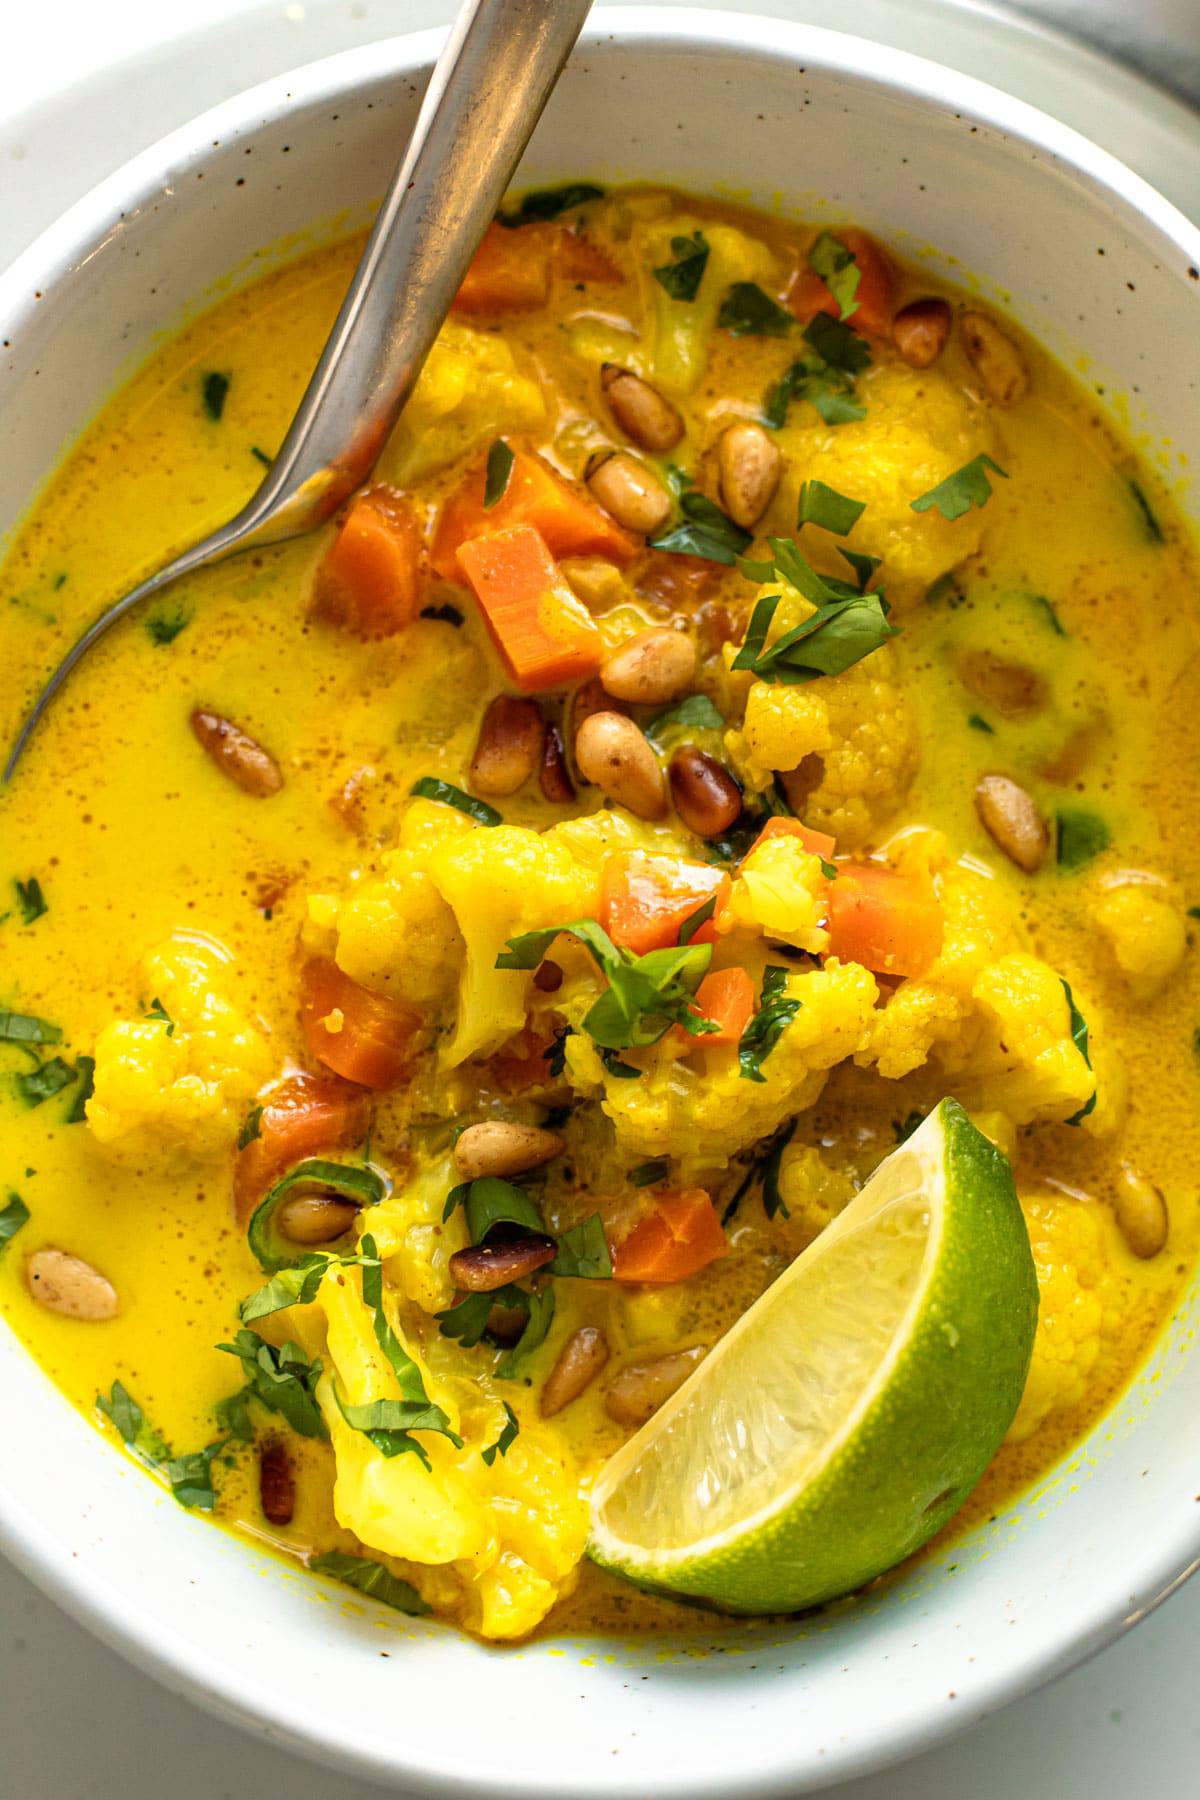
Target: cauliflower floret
918, 430
813, 1193
779, 890
179, 1083
495, 1545
1026, 1064
683, 328
1145, 933
469, 391
704, 1117
857, 728
1068, 1253
394, 931
414, 1240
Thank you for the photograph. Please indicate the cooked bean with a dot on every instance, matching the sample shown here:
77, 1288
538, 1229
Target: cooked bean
650, 668
547, 977
639, 409
484, 1267
748, 466
509, 746
580, 1361
315, 1218
612, 752
68, 1285
920, 330
706, 796
506, 1323
1013, 821
636, 1392
236, 754
1012, 688
994, 358
498, 1147
276, 1483
1141, 1212
628, 490
554, 777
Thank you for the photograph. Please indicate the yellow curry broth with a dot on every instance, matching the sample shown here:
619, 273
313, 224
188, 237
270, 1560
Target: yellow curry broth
135, 836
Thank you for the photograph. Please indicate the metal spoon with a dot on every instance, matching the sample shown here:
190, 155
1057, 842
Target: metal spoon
486, 94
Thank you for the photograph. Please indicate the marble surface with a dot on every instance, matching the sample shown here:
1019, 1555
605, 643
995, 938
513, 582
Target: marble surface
83, 86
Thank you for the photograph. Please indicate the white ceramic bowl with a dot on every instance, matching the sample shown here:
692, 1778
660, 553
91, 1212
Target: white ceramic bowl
1103, 270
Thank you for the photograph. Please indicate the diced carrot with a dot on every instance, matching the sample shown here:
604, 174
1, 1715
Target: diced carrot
817, 843
364, 1036
541, 628
510, 271
872, 310
369, 581
578, 258
645, 899
887, 921
306, 1115
726, 997
570, 522
679, 1238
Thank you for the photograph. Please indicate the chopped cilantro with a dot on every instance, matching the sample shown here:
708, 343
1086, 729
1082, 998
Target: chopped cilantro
836, 265
583, 1252
696, 713
507, 1438
836, 345
370, 1578
645, 995
967, 487
701, 529
85, 1069
31, 900
214, 388
13, 1214
824, 506
765, 1029
165, 627
829, 391
1079, 1037
189, 1476
1080, 837
682, 276
159, 1012
550, 203
500, 460
432, 787
251, 1127
977, 722
47, 1079
846, 626
748, 311
513, 1365
282, 1380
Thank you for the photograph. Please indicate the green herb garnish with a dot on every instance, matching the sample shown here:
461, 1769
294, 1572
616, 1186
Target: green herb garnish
85, 1070
645, 995
1149, 518
251, 1128
214, 387
500, 460
647, 1173
31, 900
702, 529
748, 311
27, 1028
165, 627
967, 487
696, 713
260, 456
507, 1438
370, 1578
1050, 613
764, 1171
432, 787
13, 1215
189, 1477
1079, 1037
836, 265
549, 203
159, 1013
513, 1366
47, 1079
824, 506
846, 625
583, 1252
1080, 836
977, 722
682, 276
765, 1029
837, 346
830, 391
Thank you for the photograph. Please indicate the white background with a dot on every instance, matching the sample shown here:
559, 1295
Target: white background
76, 1723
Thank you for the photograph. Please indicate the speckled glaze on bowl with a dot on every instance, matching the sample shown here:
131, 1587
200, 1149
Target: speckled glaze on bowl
1108, 274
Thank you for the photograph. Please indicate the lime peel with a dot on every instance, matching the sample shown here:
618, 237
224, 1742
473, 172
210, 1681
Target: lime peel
851, 1410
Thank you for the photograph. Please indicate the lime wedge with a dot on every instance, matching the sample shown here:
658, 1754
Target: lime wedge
852, 1409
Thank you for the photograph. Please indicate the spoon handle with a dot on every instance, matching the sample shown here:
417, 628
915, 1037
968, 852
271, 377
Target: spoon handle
486, 94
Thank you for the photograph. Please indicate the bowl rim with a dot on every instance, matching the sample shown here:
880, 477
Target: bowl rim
162, 1649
